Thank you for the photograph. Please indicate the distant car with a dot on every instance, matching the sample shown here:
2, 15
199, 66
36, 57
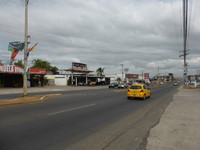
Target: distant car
113, 85
175, 83
122, 86
138, 91
161, 83
81, 84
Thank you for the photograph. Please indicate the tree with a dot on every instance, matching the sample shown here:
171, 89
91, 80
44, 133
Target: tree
100, 71
42, 64
118, 79
19, 63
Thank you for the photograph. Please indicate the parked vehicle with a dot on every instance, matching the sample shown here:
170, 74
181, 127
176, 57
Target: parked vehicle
138, 91
92, 83
113, 85
122, 86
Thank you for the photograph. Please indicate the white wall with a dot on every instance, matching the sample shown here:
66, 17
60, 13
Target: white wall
59, 79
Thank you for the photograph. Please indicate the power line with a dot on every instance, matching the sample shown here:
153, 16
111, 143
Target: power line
175, 25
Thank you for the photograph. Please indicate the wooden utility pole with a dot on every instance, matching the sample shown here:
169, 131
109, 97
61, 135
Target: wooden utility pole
185, 36
25, 50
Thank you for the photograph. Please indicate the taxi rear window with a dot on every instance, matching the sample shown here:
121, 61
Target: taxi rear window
135, 87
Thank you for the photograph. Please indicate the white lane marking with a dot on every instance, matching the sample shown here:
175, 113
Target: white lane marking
72, 109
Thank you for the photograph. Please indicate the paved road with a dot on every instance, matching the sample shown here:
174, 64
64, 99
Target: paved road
91, 119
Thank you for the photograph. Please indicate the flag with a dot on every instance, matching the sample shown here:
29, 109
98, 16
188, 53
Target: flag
16, 45
32, 48
14, 53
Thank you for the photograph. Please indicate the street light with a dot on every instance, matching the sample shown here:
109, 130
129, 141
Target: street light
142, 74
122, 71
126, 71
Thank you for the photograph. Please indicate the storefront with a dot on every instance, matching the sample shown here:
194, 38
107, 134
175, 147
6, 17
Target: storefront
81, 75
12, 76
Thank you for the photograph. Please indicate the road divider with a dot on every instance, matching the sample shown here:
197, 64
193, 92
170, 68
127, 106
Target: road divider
26, 99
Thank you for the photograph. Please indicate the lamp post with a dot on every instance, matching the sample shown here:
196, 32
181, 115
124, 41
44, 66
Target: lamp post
122, 71
126, 71
25, 49
142, 74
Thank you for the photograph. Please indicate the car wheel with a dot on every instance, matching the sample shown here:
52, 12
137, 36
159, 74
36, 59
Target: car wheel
128, 98
144, 97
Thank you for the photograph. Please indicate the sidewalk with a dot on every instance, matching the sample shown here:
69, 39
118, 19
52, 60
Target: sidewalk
179, 126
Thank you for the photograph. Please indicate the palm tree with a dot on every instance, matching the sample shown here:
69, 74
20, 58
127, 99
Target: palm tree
100, 71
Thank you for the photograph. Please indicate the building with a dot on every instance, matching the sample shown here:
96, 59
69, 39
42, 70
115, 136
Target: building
12, 76
77, 75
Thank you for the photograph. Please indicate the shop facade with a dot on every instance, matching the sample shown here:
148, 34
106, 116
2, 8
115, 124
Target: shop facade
12, 76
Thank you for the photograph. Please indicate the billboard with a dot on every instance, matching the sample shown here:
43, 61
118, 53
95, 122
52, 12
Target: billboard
135, 76
79, 65
146, 75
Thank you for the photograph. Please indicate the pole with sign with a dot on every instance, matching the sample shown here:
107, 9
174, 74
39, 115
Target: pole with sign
25, 50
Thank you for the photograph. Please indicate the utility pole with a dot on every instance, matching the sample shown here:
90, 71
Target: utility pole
25, 50
122, 71
185, 34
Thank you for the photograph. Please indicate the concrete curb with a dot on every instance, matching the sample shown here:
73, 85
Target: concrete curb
26, 99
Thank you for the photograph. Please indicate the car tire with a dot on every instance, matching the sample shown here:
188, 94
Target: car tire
128, 98
144, 97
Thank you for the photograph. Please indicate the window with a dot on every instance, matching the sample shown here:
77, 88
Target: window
135, 87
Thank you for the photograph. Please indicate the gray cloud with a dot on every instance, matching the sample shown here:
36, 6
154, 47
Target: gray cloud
140, 34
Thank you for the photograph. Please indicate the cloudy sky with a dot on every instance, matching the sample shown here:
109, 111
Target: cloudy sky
140, 34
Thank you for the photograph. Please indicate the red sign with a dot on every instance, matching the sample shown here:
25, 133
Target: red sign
12, 69
37, 71
132, 76
146, 75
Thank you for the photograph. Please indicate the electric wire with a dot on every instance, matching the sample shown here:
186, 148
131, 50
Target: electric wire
175, 25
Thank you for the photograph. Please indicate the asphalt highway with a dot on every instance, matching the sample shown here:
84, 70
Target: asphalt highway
92, 119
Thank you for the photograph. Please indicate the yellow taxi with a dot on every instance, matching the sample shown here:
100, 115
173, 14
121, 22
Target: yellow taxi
138, 91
